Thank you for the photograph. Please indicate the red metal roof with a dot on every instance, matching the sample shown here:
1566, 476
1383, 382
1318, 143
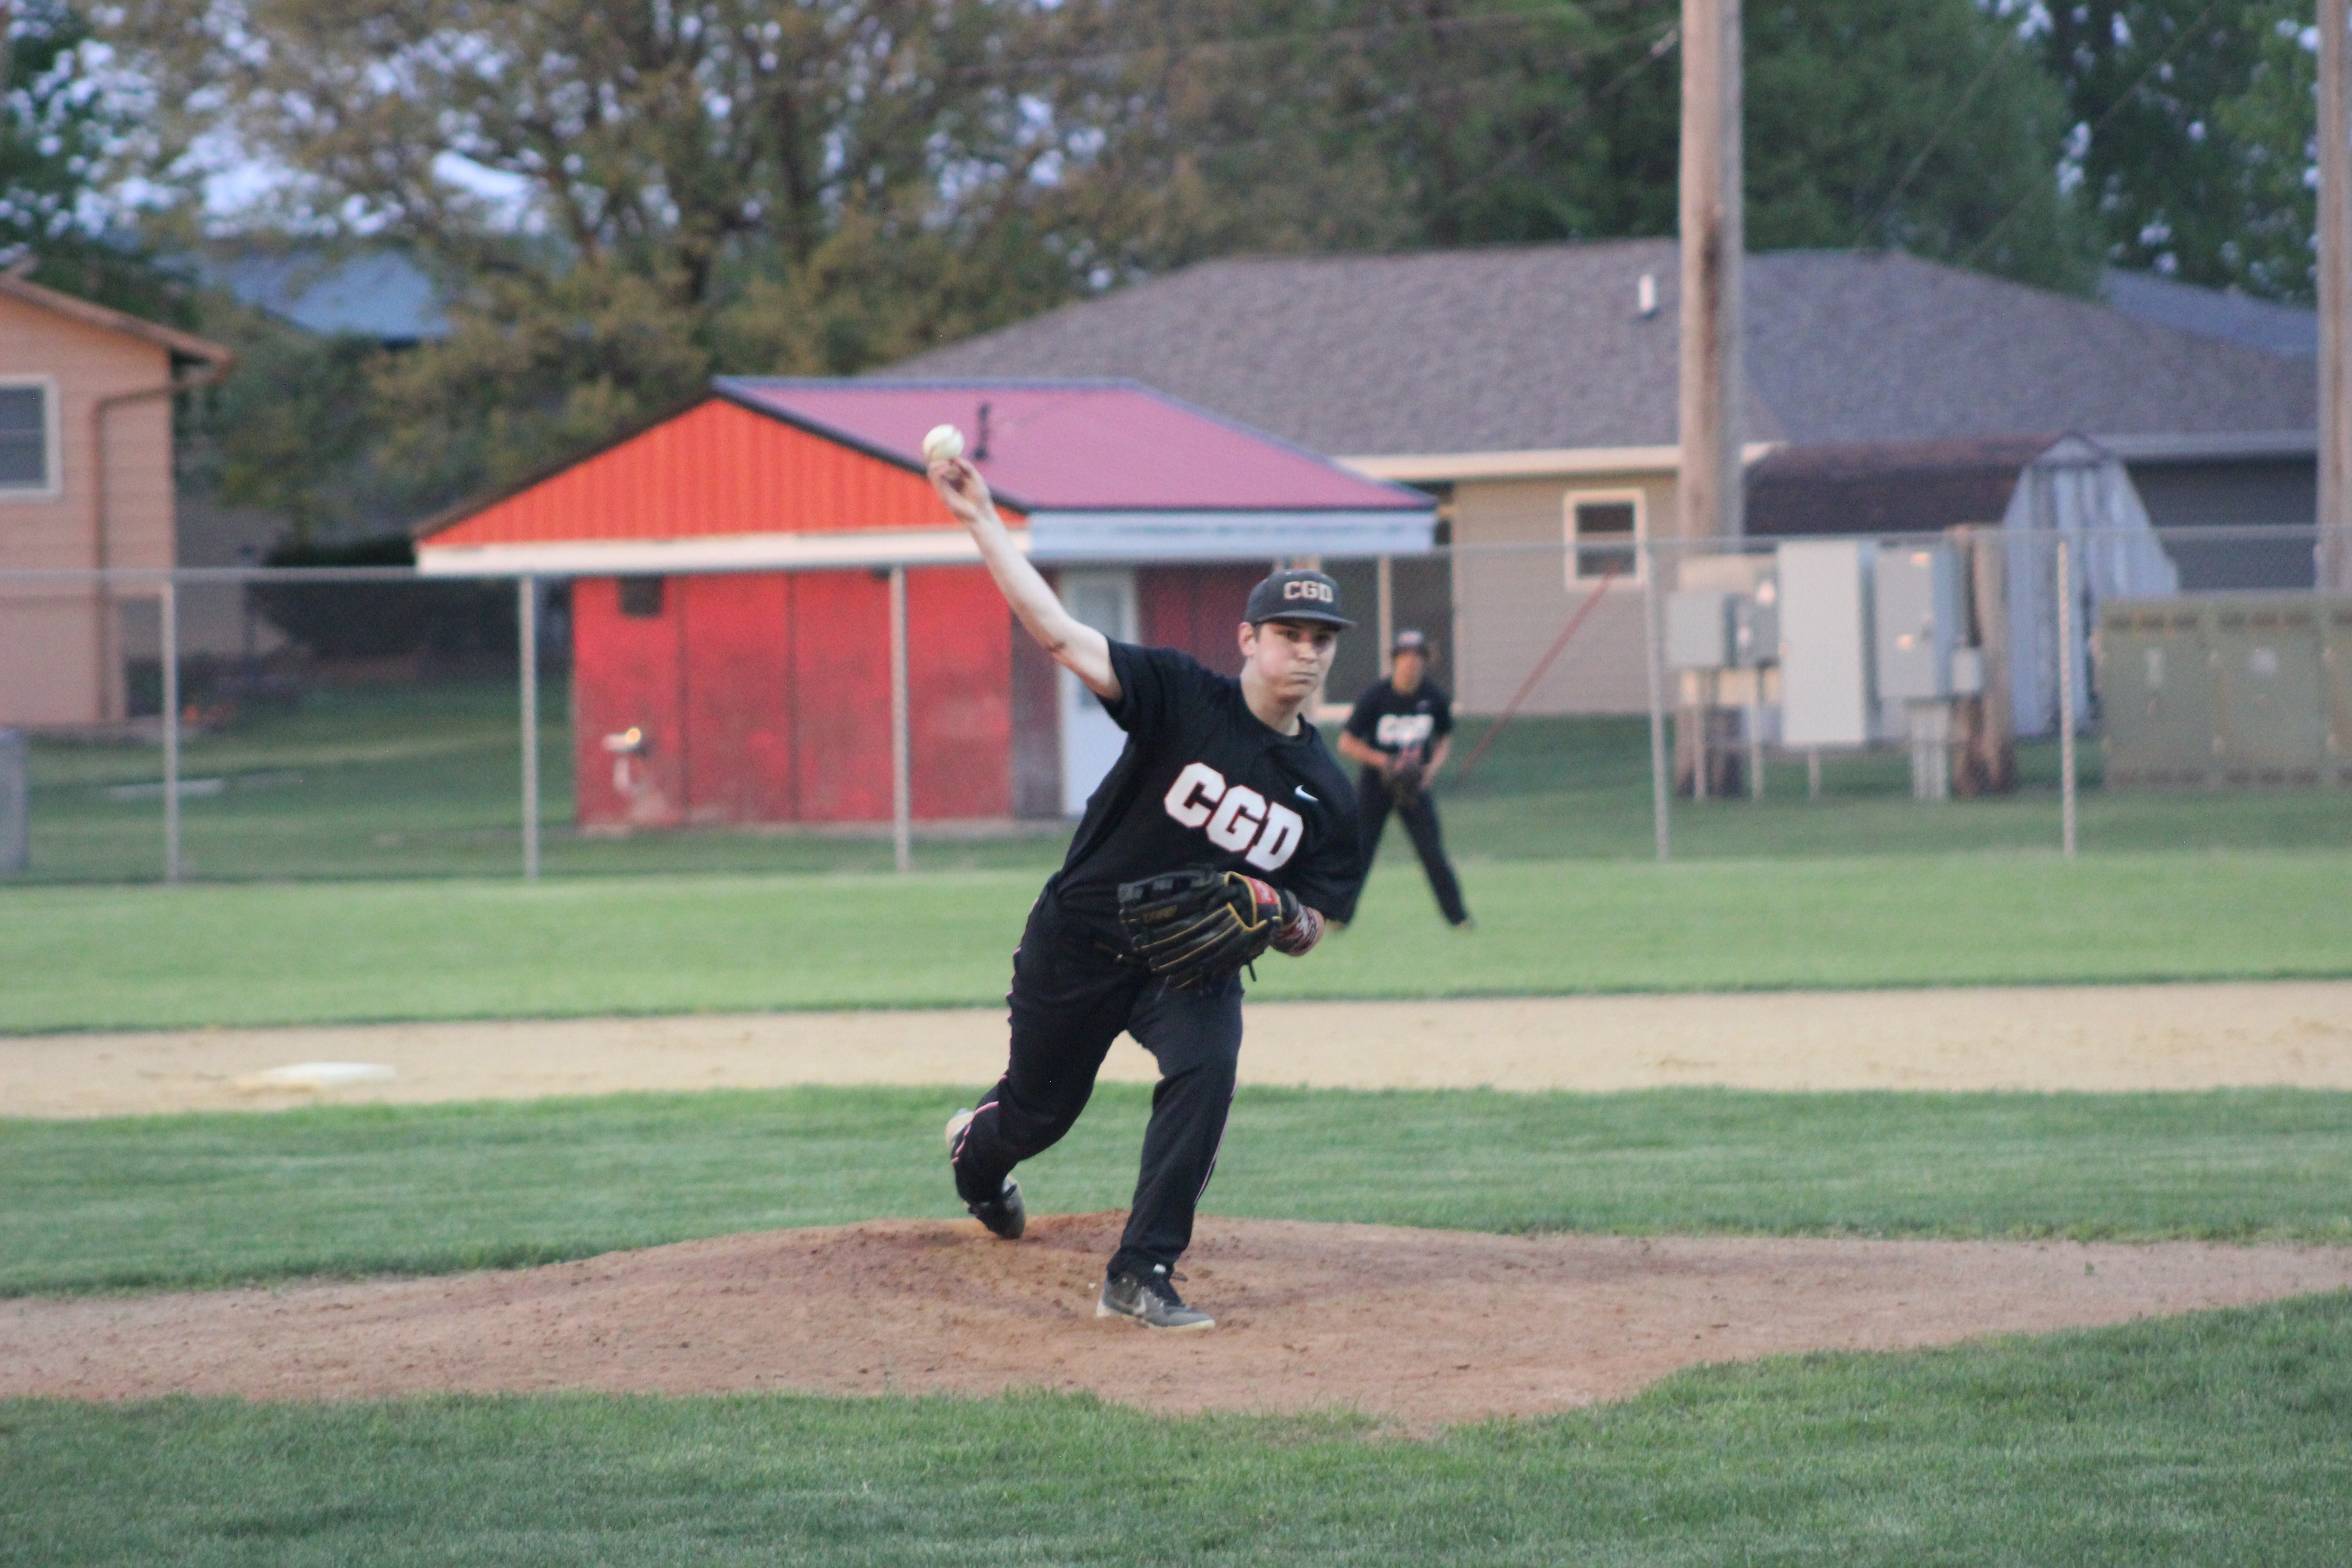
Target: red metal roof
1080, 445
716, 469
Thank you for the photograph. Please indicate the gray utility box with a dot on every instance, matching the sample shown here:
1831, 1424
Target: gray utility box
1829, 695
1919, 613
1698, 629
2214, 691
1756, 626
15, 803
1709, 629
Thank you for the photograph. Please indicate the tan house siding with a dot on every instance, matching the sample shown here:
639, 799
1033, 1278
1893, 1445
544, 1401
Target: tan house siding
60, 647
1510, 603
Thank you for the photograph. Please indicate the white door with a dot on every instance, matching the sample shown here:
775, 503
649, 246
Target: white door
1090, 741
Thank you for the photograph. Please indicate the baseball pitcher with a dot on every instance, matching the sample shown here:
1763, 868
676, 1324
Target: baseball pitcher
1224, 828
1401, 730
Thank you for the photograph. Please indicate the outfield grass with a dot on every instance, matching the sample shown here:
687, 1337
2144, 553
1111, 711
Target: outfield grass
221, 1198
421, 780
415, 780
2221, 1438
341, 953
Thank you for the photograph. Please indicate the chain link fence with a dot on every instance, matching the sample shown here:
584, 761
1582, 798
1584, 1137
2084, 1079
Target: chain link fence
1987, 689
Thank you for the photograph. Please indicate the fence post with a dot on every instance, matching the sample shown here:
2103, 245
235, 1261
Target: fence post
168, 603
1387, 579
2065, 698
526, 639
902, 849
1646, 559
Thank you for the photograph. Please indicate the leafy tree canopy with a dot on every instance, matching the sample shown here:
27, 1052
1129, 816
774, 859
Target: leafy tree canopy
61, 130
2197, 145
628, 194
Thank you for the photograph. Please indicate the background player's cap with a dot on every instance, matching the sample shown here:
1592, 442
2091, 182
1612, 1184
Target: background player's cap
1408, 640
1298, 596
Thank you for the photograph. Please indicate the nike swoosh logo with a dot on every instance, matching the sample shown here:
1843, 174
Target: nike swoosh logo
1301, 789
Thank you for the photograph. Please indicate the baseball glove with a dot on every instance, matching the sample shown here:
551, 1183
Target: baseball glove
1406, 779
1197, 925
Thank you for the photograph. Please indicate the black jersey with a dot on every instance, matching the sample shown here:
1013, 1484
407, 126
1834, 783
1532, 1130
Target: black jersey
1391, 721
1205, 782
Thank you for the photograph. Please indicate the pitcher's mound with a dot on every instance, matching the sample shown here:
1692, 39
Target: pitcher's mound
1424, 1328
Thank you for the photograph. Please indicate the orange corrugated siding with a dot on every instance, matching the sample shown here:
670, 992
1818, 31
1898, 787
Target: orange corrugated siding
716, 469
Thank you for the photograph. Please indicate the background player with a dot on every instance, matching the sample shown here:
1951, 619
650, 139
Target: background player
1401, 730
1219, 773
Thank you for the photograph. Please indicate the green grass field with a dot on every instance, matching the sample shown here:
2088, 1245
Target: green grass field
2218, 1438
354, 865
421, 780
2224, 1438
157, 957
355, 1191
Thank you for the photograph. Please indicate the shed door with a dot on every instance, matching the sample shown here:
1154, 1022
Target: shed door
1090, 740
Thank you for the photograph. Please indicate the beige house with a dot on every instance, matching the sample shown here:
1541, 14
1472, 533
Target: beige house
86, 481
1538, 536
1533, 389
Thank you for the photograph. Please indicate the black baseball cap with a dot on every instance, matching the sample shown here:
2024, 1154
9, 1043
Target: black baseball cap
1408, 640
1296, 595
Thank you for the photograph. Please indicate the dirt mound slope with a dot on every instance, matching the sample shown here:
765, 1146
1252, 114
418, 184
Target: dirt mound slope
1421, 1328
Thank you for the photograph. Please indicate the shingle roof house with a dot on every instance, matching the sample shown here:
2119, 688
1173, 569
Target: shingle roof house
1532, 347
1531, 387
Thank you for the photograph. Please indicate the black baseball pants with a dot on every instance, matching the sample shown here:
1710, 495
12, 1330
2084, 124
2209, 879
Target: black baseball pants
1373, 804
1070, 999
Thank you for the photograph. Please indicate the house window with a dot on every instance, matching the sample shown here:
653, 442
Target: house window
641, 598
28, 459
1602, 527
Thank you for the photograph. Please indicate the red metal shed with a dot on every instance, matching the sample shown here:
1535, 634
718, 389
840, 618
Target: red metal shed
734, 568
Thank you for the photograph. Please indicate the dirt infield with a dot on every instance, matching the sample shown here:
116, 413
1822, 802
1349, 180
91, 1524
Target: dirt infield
1422, 1328
2055, 1037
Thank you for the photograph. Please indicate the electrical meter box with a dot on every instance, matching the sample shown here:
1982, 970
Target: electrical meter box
1918, 614
2214, 691
1829, 694
1756, 626
2268, 701
2155, 695
1699, 628
1707, 628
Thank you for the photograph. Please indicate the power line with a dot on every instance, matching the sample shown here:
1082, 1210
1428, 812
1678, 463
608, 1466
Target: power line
1660, 47
1886, 208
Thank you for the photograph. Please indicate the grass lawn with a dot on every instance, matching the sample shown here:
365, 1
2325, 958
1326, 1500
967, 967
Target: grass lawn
2221, 1438
330, 952
421, 780
211, 1199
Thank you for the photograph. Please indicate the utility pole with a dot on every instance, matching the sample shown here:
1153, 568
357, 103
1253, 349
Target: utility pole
1714, 237
1714, 240
2333, 554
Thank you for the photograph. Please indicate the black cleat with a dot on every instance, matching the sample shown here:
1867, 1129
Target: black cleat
1150, 1299
1004, 1214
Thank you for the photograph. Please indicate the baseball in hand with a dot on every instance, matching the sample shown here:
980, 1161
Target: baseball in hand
944, 442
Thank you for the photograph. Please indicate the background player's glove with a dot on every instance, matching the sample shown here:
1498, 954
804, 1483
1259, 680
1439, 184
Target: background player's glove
1406, 777
1197, 924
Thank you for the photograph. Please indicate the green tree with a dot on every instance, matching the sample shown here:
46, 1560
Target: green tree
633, 193
1920, 125
2273, 123
62, 133
297, 430
2197, 119
1925, 125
